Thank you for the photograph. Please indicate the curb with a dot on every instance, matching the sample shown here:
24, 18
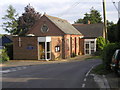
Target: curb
101, 81
106, 82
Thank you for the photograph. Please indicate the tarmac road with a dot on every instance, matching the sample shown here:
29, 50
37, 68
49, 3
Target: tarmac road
54, 75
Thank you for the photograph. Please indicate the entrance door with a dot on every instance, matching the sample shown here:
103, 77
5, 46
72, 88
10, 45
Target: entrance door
44, 51
89, 47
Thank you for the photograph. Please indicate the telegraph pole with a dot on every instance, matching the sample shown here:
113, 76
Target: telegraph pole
105, 21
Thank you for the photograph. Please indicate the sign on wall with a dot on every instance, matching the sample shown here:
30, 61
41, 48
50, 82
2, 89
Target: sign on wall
30, 47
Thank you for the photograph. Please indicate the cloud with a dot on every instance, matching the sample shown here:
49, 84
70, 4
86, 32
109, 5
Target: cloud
66, 9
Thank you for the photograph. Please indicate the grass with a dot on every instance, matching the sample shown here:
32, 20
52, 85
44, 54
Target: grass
101, 70
93, 57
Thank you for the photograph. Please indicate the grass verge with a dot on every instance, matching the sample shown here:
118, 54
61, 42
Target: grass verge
101, 70
93, 57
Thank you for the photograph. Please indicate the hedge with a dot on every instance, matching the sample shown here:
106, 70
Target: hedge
3, 56
9, 50
108, 52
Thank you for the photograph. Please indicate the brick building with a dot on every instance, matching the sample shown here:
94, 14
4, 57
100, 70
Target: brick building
51, 38
91, 32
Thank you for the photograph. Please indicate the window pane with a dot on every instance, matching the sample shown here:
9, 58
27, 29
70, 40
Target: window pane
87, 51
48, 46
87, 46
92, 51
48, 55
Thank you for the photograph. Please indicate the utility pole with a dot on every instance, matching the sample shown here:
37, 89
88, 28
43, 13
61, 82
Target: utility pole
105, 21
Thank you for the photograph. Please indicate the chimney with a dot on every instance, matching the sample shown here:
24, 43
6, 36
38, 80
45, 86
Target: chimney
88, 22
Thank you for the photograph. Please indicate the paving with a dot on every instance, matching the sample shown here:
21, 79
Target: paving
114, 81
14, 63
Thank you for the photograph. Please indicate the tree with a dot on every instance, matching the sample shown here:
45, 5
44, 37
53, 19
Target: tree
111, 29
27, 20
86, 18
93, 17
79, 20
10, 20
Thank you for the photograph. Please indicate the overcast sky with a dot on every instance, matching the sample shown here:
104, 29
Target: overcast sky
70, 10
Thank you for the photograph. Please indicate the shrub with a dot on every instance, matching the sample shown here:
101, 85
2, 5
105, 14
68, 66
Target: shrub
108, 52
73, 55
100, 44
9, 50
3, 56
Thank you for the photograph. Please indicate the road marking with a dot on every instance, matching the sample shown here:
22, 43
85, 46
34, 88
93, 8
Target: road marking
84, 79
19, 68
13, 69
5, 71
24, 67
83, 85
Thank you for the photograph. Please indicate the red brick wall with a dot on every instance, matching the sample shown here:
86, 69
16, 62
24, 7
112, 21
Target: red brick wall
56, 41
81, 46
53, 29
72, 45
23, 53
75, 47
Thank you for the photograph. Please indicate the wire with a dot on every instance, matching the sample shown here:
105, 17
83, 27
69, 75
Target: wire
116, 7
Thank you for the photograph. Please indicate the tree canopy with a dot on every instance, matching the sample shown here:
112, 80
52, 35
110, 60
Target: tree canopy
111, 29
27, 20
10, 20
93, 17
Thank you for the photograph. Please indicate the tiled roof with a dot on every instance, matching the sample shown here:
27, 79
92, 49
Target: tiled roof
90, 30
64, 25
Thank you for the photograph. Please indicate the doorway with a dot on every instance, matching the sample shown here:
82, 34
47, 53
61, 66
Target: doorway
44, 51
90, 47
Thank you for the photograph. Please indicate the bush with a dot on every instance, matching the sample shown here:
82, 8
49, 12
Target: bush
3, 56
73, 55
108, 52
101, 42
9, 50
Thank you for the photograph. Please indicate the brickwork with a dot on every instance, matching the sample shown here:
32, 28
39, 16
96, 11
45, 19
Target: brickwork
25, 48
53, 30
67, 43
56, 41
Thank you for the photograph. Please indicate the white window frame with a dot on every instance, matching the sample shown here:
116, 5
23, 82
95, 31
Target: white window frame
89, 42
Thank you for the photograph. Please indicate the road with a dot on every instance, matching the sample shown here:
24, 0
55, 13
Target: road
55, 75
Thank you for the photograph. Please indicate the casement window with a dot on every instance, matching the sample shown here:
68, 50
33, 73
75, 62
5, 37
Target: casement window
57, 48
90, 46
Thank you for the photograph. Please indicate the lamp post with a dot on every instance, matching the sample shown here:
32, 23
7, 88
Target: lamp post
105, 21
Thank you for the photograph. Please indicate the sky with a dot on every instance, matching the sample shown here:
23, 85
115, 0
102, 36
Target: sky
71, 10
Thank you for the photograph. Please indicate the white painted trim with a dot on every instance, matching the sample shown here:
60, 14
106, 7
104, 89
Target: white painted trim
45, 50
89, 40
38, 51
44, 39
